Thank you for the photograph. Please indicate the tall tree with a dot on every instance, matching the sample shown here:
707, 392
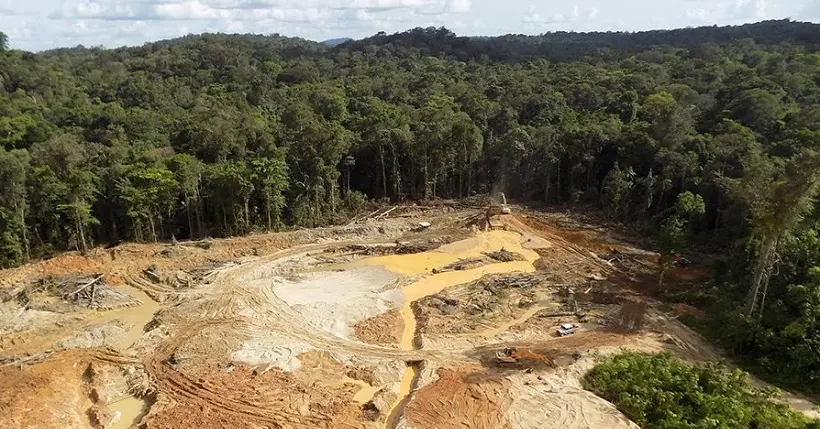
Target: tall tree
14, 245
62, 174
776, 200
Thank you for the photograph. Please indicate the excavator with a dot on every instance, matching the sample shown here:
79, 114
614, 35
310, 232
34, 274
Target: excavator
512, 355
497, 209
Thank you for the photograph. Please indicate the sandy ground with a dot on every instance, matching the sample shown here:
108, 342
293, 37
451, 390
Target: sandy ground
307, 330
354, 295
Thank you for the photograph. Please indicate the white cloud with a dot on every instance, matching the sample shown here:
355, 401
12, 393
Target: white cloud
459, 6
576, 14
749, 9
42, 24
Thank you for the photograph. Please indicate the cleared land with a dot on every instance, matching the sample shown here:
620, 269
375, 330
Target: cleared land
380, 323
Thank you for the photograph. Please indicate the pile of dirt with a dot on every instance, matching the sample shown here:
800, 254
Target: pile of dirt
463, 397
487, 258
462, 264
398, 248
499, 283
505, 256
384, 329
492, 300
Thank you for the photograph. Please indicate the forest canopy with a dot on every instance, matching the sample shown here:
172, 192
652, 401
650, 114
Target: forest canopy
660, 391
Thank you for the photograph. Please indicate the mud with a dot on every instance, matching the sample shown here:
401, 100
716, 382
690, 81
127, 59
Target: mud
336, 328
127, 412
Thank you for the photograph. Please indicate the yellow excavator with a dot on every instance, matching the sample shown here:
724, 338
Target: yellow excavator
512, 355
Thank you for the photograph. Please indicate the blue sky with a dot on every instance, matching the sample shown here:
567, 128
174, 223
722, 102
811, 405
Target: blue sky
43, 24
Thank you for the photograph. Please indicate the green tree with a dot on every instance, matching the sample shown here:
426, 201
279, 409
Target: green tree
230, 188
14, 246
670, 241
660, 391
270, 177
188, 173
61, 171
616, 189
776, 200
148, 194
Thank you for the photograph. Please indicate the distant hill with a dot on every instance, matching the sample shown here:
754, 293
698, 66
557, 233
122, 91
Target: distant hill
567, 46
336, 42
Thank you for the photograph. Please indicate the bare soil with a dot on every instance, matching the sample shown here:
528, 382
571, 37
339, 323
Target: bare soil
384, 329
381, 323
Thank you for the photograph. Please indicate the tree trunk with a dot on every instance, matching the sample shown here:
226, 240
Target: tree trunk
396, 174
199, 231
268, 222
190, 214
317, 207
761, 274
661, 275
247, 220
153, 228
558, 182
80, 232
470, 177
547, 188
332, 197
426, 179
25, 235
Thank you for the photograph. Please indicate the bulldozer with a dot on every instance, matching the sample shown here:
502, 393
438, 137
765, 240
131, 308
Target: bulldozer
511, 355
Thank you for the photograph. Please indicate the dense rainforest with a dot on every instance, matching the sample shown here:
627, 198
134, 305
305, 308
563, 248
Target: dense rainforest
704, 138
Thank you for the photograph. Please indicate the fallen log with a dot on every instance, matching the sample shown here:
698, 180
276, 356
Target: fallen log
381, 216
83, 287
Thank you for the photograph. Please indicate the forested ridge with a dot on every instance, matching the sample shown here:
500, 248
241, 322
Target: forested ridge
703, 137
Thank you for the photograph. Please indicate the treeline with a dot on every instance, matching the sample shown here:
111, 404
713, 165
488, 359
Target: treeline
567, 46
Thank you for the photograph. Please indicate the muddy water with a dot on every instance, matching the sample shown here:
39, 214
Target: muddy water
130, 411
437, 283
433, 284
406, 386
365, 392
134, 318
423, 263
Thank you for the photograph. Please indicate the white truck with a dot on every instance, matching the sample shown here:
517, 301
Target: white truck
567, 329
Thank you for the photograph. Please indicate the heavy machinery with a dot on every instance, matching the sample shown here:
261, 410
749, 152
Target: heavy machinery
508, 355
497, 209
511, 355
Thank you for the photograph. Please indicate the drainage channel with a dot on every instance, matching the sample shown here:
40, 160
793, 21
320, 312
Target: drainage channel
409, 383
420, 263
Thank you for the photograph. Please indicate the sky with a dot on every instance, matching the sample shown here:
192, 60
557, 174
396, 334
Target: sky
44, 24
